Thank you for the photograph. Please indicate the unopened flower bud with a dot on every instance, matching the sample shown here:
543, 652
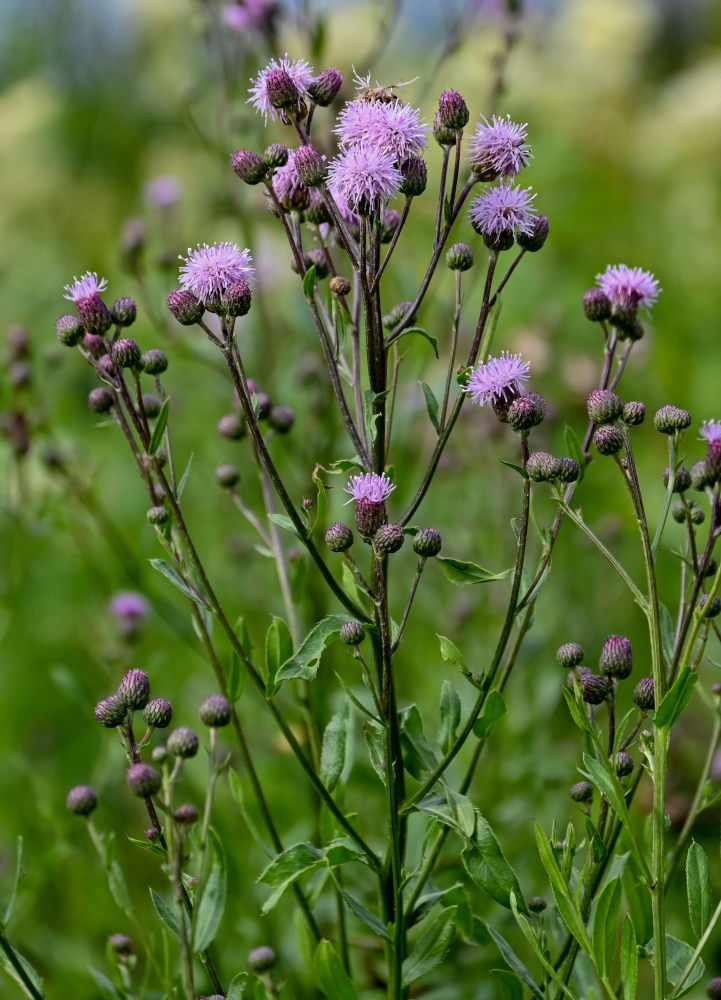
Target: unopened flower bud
427, 543
697, 515
81, 800
535, 240
275, 155
498, 242
394, 317
311, 166
603, 406
124, 312
186, 814
157, 515
281, 91
121, 944
616, 658
700, 476
568, 469
608, 439
443, 135
152, 405
250, 167
678, 511
526, 411
125, 353
154, 361
158, 713
227, 475
633, 413
339, 285
69, 330
216, 711
339, 537
369, 516
713, 988
644, 695
537, 904
570, 654
352, 633
596, 305
624, 764
459, 257
94, 345
183, 742
111, 711
232, 426
185, 307
263, 404
714, 606
159, 754
670, 419
281, 419
134, 689
94, 314
100, 399
388, 538
582, 791
391, 222
542, 467
261, 959
143, 779
711, 567
325, 87
681, 479
414, 173
452, 110
595, 687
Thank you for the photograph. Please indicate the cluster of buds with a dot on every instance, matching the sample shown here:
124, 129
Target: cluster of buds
607, 410
621, 291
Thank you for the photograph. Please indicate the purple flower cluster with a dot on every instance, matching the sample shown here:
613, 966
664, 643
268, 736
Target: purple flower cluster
209, 270
497, 378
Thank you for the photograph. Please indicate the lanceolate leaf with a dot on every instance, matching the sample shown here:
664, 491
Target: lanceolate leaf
431, 406
330, 975
431, 948
159, 429
171, 573
335, 747
486, 864
675, 699
629, 960
305, 662
208, 911
698, 888
605, 926
464, 573
514, 962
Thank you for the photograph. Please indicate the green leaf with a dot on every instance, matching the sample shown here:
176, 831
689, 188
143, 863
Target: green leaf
283, 521
309, 283
605, 926
365, 916
305, 662
507, 984
450, 653
629, 960
237, 680
375, 750
370, 413
463, 573
678, 955
107, 988
336, 739
184, 477
287, 868
450, 715
486, 864
433, 341
329, 974
447, 210
493, 710
541, 955
29, 971
667, 632
431, 406
431, 948
278, 649
171, 573
514, 963
638, 901
676, 699
321, 502
237, 986
159, 429
575, 451
208, 912
14, 891
608, 784
565, 900
164, 911
698, 888
518, 468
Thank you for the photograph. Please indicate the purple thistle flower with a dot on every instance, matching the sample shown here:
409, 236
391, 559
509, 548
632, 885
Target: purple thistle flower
252, 14
499, 147
85, 287
163, 191
497, 379
128, 604
628, 287
369, 486
710, 431
502, 208
209, 270
393, 127
289, 190
297, 69
364, 177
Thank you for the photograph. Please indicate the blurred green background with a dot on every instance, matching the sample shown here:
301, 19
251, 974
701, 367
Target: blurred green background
97, 101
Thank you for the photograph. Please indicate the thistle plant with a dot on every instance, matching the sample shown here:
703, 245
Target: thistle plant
390, 892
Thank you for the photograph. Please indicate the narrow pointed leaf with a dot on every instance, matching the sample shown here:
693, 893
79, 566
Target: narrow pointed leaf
330, 975
207, 913
698, 888
605, 926
431, 948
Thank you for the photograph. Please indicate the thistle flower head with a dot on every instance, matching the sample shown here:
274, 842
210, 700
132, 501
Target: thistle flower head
370, 486
128, 604
289, 189
394, 127
502, 209
82, 288
498, 378
209, 270
711, 431
297, 69
364, 177
628, 287
499, 148
248, 15
163, 191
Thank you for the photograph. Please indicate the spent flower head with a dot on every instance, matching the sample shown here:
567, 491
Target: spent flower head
628, 287
85, 286
502, 209
209, 270
497, 379
299, 71
499, 148
364, 177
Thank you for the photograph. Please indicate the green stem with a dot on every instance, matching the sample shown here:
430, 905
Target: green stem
19, 968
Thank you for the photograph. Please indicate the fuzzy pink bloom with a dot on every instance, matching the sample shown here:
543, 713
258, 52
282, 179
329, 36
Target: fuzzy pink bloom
260, 15
370, 487
86, 286
499, 147
504, 207
287, 184
300, 72
129, 604
364, 177
628, 287
209, 270
710, 431
491, 380
163, 191
395, 127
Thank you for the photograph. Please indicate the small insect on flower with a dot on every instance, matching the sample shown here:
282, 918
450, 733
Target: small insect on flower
628, 287
498, 379
82, 288
209, 270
